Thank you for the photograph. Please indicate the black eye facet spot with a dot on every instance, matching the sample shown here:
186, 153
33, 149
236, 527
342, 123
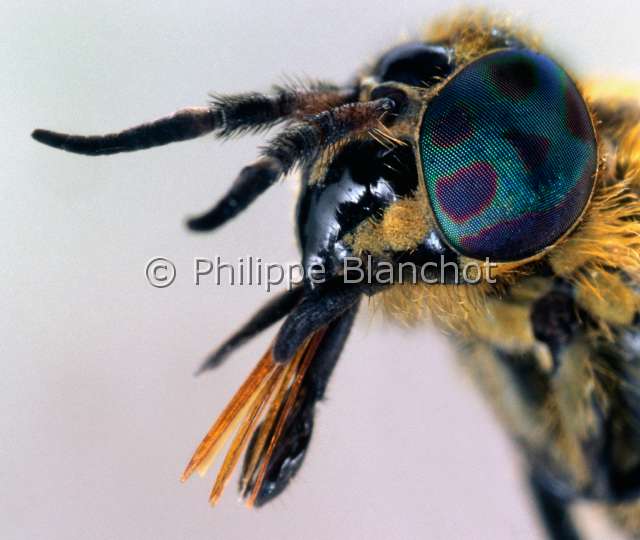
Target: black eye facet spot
515, 79
417, 64
532, 148
577, 119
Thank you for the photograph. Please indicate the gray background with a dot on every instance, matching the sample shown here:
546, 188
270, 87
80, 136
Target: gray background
99, 411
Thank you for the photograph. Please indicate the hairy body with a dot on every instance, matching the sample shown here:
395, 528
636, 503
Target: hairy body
554, 340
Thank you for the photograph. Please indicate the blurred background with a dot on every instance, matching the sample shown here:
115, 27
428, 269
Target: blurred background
99, 408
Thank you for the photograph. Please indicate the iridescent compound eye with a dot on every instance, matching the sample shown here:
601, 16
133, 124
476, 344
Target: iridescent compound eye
509, 156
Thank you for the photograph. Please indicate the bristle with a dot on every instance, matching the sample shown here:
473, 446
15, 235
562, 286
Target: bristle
307, 354
203, 467
206, 449
243, 435
267, 425
276, 385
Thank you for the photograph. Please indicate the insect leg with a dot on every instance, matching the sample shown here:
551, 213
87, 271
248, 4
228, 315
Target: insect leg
553, 511
616, 465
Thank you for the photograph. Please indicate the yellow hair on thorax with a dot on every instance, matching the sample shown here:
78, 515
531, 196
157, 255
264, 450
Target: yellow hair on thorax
608, 237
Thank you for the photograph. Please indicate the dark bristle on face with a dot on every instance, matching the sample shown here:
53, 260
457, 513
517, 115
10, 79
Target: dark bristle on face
415, 63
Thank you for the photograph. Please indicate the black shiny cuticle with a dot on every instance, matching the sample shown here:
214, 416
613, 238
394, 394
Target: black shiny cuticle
416, 63
362, 180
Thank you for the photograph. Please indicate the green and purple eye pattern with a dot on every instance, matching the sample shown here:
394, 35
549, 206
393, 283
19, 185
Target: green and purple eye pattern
509, 155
